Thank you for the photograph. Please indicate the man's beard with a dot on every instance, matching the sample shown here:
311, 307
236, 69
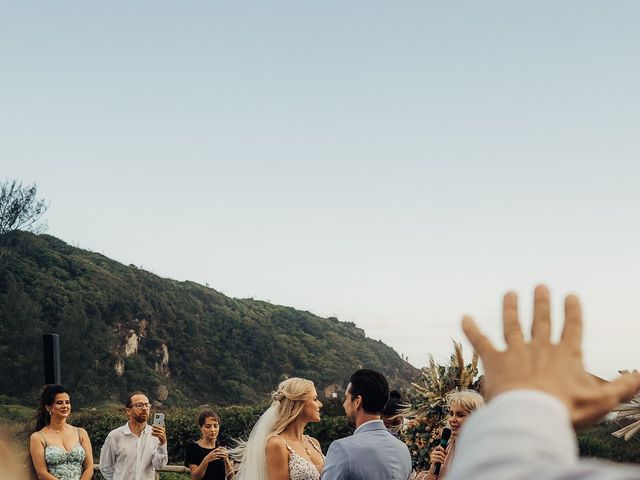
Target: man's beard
351, 421
141, 417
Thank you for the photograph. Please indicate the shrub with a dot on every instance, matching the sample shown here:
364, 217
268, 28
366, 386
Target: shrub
236, 422
598, 442
17, 413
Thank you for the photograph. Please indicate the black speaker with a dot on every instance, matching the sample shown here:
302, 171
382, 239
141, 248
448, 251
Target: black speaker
51, 358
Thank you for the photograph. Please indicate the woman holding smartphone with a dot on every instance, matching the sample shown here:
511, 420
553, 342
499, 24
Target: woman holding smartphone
205, 458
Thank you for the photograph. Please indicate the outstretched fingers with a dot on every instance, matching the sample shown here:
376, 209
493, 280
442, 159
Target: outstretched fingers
541, 326
572, 330
624, 387
478, 340
510, 322
596, 402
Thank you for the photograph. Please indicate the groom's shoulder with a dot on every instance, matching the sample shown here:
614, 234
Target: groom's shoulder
342, 442
346, 444
365, 439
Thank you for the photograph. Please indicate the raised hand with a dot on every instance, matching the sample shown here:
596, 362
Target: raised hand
542, 365
159, 432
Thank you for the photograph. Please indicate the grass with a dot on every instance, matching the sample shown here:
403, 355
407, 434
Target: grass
16, 414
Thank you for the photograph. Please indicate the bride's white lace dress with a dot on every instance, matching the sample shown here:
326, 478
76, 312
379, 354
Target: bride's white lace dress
299, 467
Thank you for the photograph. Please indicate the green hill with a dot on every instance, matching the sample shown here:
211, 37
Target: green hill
122, 328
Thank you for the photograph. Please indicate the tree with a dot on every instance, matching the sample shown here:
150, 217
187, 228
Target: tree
20, 209
20, 338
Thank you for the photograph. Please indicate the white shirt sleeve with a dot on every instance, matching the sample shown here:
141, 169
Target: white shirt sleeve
107, 458
525, 435
160, 457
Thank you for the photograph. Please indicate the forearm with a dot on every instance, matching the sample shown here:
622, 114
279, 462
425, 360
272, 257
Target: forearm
87, 473
198, 472
426, 474
228, 469
45, 475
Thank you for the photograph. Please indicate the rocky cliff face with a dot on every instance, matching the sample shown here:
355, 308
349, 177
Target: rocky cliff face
126, 329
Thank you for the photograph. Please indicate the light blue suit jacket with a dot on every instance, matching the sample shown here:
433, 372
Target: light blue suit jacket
371, 453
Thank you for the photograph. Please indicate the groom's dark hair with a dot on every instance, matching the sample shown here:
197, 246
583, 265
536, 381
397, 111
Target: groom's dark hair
372, 387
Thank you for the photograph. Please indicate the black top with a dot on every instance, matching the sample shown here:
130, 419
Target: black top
195, 455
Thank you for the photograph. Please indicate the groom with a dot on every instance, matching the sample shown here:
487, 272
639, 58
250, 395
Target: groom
371, 453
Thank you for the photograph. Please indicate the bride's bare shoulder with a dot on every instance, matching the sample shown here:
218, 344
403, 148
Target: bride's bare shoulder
276, 444
277, 457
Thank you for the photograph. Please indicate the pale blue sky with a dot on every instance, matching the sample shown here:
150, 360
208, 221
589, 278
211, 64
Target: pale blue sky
395, 164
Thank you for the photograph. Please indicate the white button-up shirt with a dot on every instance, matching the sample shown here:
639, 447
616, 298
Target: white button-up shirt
124, 456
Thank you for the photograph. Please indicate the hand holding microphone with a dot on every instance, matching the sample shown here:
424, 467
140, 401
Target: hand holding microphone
438, 455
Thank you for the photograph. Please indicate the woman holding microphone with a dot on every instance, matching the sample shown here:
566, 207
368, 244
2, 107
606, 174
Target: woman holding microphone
460, 404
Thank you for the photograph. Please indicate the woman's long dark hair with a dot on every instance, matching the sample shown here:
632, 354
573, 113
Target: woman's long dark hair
47, 397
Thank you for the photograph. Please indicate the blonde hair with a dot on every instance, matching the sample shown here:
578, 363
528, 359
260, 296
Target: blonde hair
291, 396
470, 400
288, 402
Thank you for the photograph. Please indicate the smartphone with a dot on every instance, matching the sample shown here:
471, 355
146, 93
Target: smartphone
158, 420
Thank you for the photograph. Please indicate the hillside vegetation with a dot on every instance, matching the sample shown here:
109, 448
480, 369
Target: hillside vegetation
123, 328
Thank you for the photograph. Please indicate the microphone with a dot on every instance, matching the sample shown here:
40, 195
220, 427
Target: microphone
444, 440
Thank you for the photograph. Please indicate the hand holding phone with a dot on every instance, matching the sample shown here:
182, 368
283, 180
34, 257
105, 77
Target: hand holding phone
218, 453
158, 428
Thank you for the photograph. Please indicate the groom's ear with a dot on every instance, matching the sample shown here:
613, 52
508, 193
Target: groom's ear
357, 401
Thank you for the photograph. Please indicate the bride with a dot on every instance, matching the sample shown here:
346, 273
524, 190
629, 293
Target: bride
277, 448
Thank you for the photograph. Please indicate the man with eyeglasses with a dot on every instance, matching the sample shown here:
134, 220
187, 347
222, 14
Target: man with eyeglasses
136, 450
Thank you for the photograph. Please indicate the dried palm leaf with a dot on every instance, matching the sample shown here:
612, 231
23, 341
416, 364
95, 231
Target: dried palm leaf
628, 410
628, 431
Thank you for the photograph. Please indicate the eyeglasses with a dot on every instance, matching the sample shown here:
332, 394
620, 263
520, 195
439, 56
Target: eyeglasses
140, 406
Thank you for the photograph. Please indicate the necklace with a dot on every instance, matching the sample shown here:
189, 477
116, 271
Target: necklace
54, 430
305, 444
